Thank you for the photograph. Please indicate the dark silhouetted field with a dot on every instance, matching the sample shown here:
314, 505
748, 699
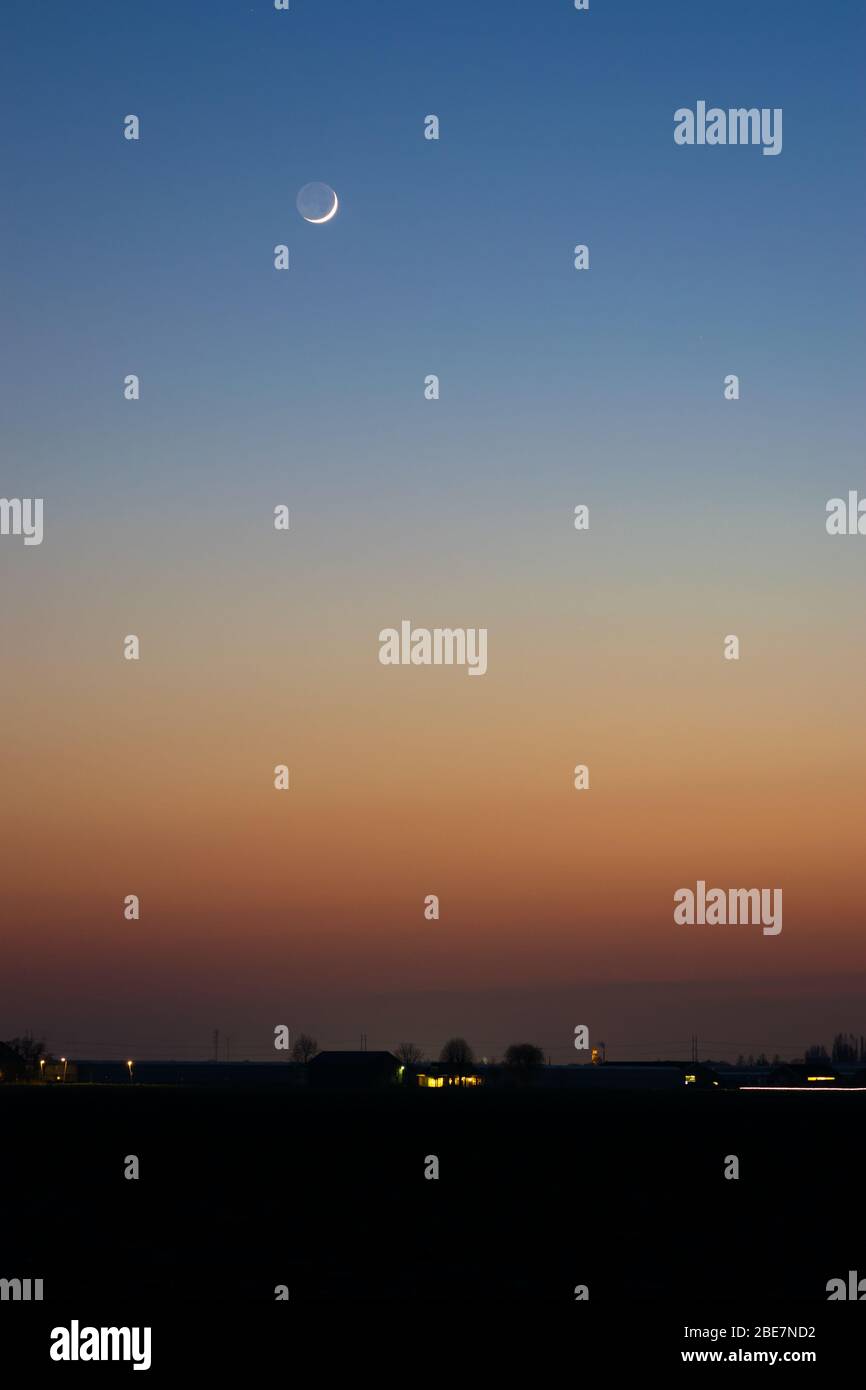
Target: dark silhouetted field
241, 1190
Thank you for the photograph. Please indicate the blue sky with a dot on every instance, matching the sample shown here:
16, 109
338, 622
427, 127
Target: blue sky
452, 257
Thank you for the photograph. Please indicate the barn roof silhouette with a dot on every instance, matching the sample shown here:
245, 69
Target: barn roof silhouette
353, 1068
353, 1059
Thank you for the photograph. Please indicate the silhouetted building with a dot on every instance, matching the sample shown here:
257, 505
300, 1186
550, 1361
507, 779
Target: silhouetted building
818, 1074
629, 1076
732, 1078
55, 1070
353, 1071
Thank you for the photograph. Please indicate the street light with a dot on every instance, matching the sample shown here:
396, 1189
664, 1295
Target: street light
129, 1065
41, 1068
65, 1065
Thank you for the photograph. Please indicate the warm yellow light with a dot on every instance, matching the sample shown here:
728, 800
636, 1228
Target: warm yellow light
63, 1059
690, 1077
820, 1078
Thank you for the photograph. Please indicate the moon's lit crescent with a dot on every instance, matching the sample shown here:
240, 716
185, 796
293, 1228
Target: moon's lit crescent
328, 215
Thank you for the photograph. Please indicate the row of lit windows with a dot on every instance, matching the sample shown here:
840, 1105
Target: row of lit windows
424, 1080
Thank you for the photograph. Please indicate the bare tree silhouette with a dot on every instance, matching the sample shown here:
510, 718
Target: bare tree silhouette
28, 1049
523, 1059
457, 1057
305, 1048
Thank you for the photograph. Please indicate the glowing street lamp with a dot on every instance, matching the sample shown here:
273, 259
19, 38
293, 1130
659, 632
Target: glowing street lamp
41, 1068
65, 1065
129, 1065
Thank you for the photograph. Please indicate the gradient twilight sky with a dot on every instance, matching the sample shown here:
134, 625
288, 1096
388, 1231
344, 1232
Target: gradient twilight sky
306, 388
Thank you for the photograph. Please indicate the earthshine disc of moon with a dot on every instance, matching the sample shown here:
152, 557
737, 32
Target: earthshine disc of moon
317, 202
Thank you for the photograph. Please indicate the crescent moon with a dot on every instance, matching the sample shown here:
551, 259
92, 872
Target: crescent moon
328, 215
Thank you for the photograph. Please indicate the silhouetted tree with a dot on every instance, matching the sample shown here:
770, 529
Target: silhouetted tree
305, 1048
409, 1054
523, 1060
844, 1048
817, 1053
457, 1057
28, 1049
